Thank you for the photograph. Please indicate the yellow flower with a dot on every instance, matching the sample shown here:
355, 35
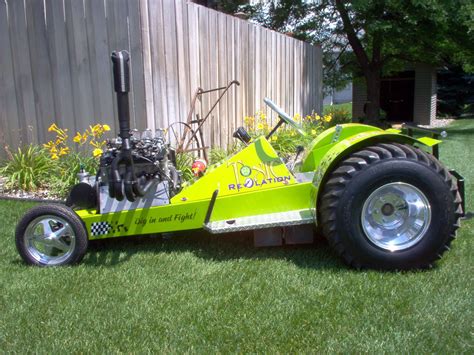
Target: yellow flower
313, 132
297, 117
63, 151
77, 138
274, 138
54, 156
317, 117
327, 118
106, 127
260, 126
97, 152
53, 127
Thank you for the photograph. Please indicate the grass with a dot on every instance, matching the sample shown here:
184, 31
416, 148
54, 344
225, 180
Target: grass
346, 106
201, 293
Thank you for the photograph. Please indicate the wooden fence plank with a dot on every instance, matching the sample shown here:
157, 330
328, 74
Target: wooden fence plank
238, 74
182, 33
213, 122
10, 129
158, 63
22, 72
57, 43
171, 58
147, 66
204, 69
40, 68
100, 64
80, 66
136, 65
231, 75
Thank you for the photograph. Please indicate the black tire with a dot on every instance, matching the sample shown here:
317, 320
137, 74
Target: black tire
354, 181
65, 245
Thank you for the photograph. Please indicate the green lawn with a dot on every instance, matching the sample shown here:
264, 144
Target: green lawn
201, 293
346, 106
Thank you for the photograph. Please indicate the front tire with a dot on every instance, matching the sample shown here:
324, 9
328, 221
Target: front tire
51, 235
390, 206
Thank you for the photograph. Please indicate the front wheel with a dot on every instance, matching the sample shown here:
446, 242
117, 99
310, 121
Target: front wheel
390, 206
51, 235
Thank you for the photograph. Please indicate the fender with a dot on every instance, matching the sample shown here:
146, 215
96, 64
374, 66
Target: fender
333, 145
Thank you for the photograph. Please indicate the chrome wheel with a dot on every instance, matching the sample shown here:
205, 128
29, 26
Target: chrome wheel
49, 240
396, 216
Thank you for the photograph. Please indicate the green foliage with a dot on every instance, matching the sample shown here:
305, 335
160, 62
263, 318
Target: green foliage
184, 162
66, 170
340, 115
27, 169
455, 94
217, 155
372, 38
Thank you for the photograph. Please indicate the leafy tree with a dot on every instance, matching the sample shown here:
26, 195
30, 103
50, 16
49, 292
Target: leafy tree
372, 38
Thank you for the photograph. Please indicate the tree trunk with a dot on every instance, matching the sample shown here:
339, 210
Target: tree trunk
372, 106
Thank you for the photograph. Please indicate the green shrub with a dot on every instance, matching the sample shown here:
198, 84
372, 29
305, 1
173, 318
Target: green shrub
217, 155
184, 162
339, 115
66, 170
27, 169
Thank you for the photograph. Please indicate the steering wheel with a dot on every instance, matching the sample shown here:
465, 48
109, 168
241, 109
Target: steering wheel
284, 116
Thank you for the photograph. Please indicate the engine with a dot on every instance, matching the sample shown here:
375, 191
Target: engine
136, 170
153, 160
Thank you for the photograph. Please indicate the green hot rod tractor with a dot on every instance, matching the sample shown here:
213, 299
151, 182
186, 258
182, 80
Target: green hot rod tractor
378, 196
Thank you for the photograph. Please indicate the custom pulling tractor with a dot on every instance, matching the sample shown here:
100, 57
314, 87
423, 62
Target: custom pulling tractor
381, 200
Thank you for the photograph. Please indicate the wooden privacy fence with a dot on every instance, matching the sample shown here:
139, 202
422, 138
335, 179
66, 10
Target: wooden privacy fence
55, 66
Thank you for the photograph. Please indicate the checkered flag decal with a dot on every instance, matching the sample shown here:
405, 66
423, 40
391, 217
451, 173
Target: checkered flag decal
100, 228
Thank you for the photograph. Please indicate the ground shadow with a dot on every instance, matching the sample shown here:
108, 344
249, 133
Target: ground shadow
232, 246
468, 215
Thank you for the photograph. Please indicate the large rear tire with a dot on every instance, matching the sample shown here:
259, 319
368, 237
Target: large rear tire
390, 206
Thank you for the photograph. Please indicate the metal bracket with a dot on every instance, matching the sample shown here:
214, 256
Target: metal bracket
434, 134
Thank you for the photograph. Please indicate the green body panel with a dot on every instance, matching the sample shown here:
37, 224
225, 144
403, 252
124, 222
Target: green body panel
332, 146
280, 199
252, 182
151, 220
191, 214
255, 168
328, 139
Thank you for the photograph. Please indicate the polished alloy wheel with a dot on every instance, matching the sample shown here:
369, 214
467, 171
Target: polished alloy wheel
49, 240
396, 216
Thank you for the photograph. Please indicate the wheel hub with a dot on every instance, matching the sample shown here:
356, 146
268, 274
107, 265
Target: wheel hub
49, 240
396, 216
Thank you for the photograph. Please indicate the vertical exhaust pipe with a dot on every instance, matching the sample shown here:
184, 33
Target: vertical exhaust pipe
121, 71
125, 183
117, 185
